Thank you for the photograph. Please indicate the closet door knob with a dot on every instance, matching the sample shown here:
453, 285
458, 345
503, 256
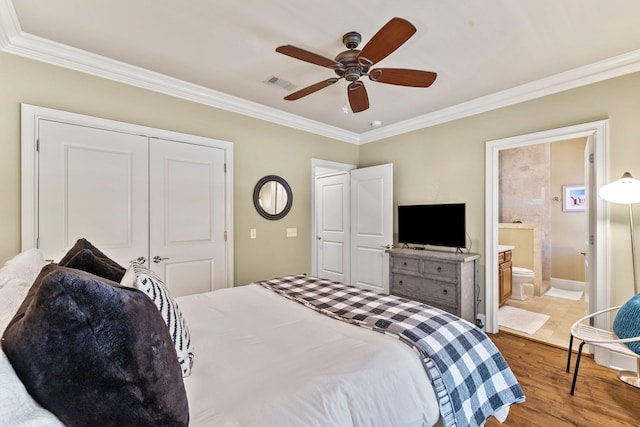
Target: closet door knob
158, 259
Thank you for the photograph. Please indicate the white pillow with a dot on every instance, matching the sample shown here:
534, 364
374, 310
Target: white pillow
17, 407
11, 296
16, 277
26, 266
140, 277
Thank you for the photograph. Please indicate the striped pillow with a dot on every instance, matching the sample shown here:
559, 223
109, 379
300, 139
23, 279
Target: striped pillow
140, 277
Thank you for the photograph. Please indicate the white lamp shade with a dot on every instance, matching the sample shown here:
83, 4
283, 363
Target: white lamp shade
626, 190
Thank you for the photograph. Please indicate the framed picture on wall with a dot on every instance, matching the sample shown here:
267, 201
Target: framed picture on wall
573, 198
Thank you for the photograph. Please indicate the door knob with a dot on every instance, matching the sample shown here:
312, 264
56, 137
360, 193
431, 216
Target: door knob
158, 259
139, 260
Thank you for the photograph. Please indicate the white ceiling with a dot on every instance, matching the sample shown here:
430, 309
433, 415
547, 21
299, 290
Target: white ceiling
487, 53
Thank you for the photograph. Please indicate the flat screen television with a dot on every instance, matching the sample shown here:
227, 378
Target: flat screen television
436, 225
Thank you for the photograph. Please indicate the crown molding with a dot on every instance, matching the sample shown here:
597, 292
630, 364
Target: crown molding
9, 25
33, 47
603, 70
14, 40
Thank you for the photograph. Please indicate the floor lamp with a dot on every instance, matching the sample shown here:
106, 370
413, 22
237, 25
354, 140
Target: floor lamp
626, 190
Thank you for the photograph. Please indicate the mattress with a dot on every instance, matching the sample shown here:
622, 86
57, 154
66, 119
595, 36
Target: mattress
263, 360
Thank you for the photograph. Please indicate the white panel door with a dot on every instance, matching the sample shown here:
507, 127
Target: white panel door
92, 183
371, 226
187, 216
332, 218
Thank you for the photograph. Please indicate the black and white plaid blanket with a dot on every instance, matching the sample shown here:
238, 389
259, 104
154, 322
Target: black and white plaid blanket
468, 373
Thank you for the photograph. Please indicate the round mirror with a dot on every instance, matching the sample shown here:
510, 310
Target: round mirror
272, 197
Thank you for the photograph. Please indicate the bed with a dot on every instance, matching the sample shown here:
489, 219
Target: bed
290, 351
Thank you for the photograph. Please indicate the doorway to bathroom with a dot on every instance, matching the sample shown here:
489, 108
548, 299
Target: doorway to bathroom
543, 227
588, 255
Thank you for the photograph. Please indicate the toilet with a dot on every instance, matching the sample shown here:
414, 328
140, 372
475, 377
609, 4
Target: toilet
520, 276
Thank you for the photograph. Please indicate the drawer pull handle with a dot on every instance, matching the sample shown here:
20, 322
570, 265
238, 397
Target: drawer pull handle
439, 269
400, 282
444, 292
404, 263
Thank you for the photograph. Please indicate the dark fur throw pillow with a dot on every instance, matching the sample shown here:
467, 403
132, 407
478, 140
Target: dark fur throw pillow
95, 353
86, 257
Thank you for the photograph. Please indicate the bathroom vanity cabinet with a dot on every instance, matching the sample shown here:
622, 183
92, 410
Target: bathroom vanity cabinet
446, 280
505, 268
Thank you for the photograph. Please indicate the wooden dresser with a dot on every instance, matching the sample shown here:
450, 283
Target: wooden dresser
446, 280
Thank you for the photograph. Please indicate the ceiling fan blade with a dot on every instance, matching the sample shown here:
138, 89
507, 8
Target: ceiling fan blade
305, 55
311, 89
358, 99
403, 77
386, 40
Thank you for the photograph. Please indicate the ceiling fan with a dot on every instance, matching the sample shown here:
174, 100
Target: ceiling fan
353, 64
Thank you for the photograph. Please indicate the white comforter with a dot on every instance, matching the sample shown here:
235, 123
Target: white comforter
262, 360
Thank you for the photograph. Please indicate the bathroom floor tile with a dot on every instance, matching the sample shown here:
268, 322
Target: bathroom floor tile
563, 313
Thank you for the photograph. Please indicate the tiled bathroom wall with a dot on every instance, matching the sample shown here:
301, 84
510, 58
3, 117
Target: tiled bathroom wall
525, 193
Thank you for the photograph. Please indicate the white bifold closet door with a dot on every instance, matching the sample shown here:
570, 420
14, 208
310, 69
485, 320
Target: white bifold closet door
134, 197
186, 218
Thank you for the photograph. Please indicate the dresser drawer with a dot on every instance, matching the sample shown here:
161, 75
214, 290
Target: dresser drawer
442, 292
407, 286
445, 270
424, 290
411, 265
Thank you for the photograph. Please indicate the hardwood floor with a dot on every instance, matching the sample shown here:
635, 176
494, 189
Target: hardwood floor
600, 398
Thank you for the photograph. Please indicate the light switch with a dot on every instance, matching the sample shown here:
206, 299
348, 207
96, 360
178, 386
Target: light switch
292, 232
252, 233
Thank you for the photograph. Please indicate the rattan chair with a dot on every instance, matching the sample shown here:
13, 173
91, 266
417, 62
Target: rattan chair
602, 338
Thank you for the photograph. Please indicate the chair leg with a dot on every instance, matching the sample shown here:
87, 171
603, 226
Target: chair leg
569, 355
575, 372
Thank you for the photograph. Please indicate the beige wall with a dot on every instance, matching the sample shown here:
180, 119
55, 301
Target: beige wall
446, 162
260, 148
435, 164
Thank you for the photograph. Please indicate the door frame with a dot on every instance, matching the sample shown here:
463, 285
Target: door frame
599, 131
32, 114
316, 166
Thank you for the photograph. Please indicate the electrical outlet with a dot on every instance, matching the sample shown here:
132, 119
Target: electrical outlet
252, 233
292, 232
